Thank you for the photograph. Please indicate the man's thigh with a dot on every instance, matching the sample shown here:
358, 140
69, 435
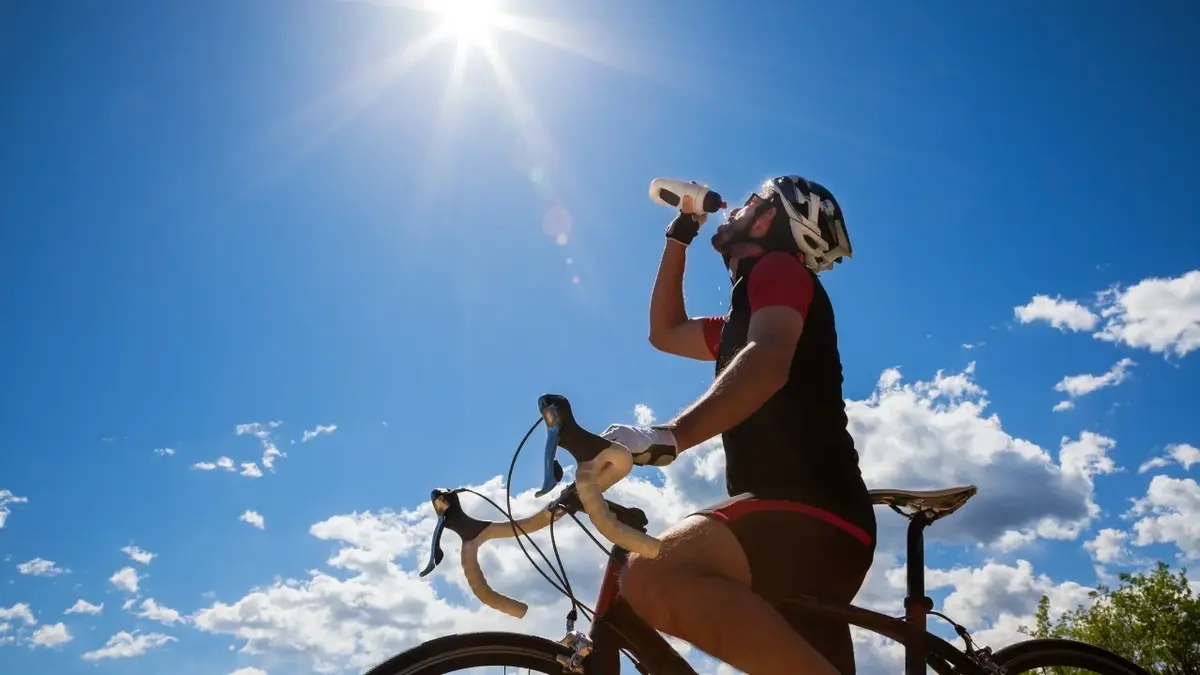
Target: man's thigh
698, 544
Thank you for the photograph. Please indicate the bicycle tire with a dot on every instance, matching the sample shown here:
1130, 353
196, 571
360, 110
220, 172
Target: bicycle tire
1055, 652
476, 650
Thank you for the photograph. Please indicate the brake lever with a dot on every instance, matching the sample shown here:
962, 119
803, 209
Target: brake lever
450, 516
552, 470
563, 431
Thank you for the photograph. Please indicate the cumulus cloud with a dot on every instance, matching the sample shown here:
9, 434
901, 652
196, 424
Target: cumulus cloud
1075, 386
1182, 454
321, 429
1162, 315
1109, 546
1065, 315
125, 645
983, 595
51, 635
82, 606
164, 452
1169, 514
937, 434
251, 470
156, 612
139, 555
125, 579
253, 518
367, 602
40, 567
6, 498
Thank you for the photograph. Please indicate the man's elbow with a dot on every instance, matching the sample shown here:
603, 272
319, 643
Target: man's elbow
660, 340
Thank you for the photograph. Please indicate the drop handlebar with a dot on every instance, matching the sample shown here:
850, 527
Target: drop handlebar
600, 464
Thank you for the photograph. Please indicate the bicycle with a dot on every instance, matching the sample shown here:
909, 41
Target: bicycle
616, 629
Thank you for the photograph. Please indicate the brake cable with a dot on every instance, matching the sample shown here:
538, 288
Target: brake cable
561, 573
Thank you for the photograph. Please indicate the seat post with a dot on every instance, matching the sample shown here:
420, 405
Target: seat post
917, 606
916, 556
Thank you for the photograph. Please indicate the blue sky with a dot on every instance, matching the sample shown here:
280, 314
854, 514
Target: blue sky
219, 214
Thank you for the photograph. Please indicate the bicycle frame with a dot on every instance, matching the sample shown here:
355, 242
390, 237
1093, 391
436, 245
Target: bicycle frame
616, 627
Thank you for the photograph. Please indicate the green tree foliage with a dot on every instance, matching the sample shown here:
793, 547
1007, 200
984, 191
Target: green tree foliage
1152, 620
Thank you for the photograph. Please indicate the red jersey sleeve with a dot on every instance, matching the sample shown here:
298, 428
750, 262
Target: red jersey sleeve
780, 279
713, 325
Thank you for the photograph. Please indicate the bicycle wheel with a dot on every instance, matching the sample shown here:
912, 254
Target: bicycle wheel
492, 652
1062, 656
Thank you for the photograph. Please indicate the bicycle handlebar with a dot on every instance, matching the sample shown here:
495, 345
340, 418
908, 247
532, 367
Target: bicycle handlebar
600, 465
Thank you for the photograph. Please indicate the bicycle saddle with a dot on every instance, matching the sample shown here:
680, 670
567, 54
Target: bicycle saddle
940, 502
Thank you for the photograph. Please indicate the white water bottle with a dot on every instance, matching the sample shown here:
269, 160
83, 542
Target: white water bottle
670, 192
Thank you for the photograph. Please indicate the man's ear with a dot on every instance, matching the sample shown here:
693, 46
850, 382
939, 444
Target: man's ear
762, 223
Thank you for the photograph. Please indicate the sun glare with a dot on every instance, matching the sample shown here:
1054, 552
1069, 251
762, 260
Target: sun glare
469, 20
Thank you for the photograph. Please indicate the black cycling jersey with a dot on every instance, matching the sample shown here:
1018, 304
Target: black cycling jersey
796, 446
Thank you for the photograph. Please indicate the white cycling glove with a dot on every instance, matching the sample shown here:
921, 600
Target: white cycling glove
650, 446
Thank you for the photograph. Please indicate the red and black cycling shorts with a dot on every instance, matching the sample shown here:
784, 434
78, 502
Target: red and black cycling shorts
799, 550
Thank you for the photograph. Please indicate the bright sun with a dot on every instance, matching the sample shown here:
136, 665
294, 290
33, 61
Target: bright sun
469, 20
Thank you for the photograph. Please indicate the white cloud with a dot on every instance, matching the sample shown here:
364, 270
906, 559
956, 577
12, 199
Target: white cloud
1065, 315
51, 635
221, 463
995, 590
40, 567
19, 611
164, 452
1182, 454
1170, 513
1075, 386
270, 453
1162, 315
253, 518
1109, 546
138, 554
936, 434
251, 470
6, 498
256, 429
321, 429
125, 579
262, 431
993, 599
82, 606
156, 612
643, 415
249, 671
124, 645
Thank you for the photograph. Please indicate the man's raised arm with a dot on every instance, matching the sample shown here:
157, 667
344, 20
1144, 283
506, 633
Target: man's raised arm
671, 330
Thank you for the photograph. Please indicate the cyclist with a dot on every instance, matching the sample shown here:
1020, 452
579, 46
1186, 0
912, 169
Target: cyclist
799, 520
